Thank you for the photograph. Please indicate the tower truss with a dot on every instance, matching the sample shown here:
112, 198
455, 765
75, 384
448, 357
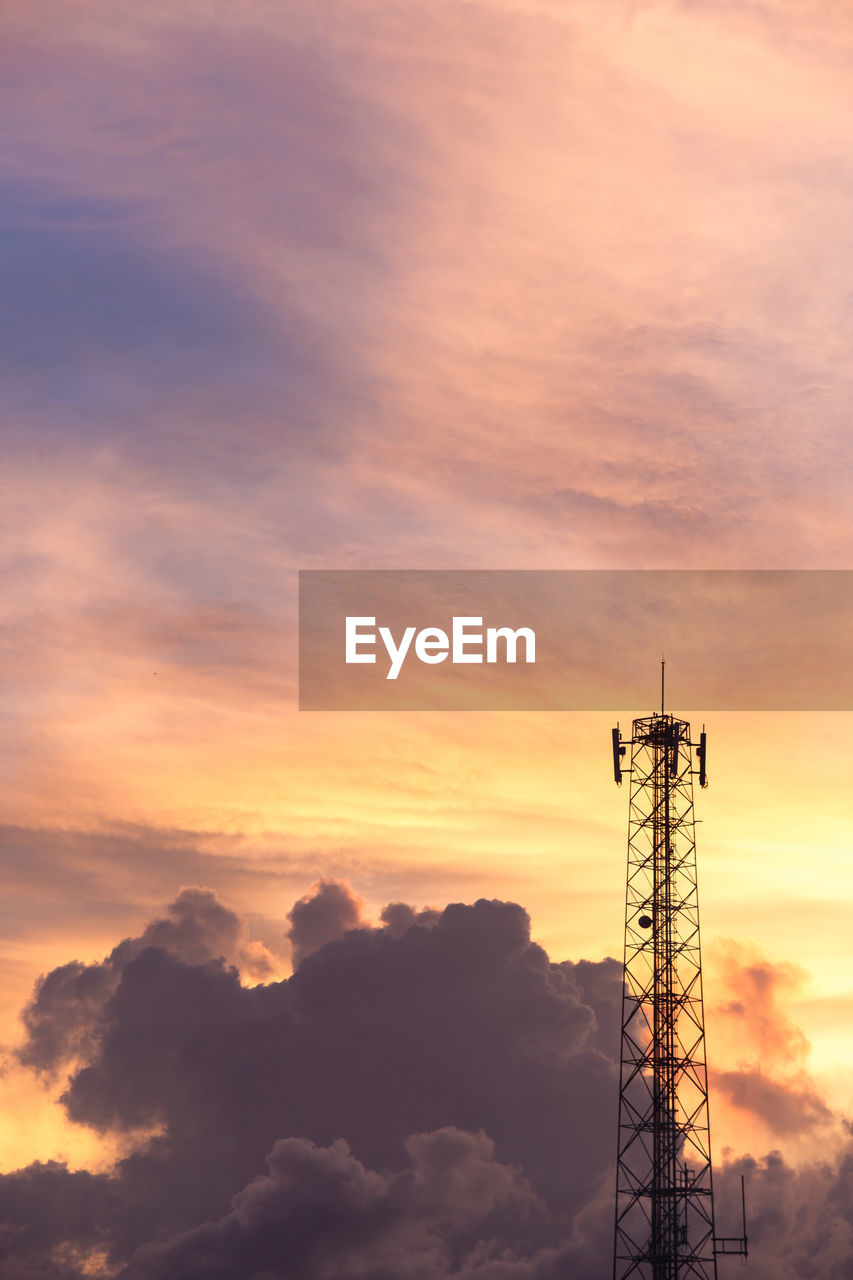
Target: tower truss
664, 1226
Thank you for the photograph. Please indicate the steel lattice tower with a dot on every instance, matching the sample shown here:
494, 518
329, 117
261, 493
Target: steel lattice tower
664, 1226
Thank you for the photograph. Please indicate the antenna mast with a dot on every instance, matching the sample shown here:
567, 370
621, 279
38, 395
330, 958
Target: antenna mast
662, 668
664, 1227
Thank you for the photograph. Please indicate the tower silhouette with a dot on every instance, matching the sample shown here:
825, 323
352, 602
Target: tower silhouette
664, 1225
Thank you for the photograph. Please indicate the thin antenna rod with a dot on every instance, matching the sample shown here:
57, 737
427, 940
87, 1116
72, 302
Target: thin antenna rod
662, 665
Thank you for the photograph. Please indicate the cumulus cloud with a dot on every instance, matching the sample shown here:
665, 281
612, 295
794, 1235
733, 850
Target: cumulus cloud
65, 1015
424, 1098
322, 916
199, 928
52, 1220
319, 1212
399, 916
799, 1217
463, 1021
404, 1041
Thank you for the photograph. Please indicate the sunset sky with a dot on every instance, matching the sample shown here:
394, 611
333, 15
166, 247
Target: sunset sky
458, 284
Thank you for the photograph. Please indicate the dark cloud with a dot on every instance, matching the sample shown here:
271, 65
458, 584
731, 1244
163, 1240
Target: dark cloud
462, 1022
66, 1015
322, 916
798, 1219
440, 1024
409, 1224
425, 1099
399, 916
199, 928
49, 1214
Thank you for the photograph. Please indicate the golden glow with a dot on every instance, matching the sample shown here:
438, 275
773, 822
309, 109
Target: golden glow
588, 308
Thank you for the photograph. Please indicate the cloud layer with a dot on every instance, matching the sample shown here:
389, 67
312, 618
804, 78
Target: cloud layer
428, 1097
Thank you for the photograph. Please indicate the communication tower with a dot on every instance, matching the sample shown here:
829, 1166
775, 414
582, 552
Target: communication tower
664, 1187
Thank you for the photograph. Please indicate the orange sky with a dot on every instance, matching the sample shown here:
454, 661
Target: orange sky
355, 284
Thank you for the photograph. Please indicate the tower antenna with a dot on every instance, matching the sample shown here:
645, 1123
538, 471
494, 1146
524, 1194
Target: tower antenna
664, 1225
662, 666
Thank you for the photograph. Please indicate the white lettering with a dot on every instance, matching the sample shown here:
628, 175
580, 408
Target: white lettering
395, 653
511, 638
461, 638
431, 645
354, 639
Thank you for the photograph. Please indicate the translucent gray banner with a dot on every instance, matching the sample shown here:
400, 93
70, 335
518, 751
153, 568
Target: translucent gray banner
584, 640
